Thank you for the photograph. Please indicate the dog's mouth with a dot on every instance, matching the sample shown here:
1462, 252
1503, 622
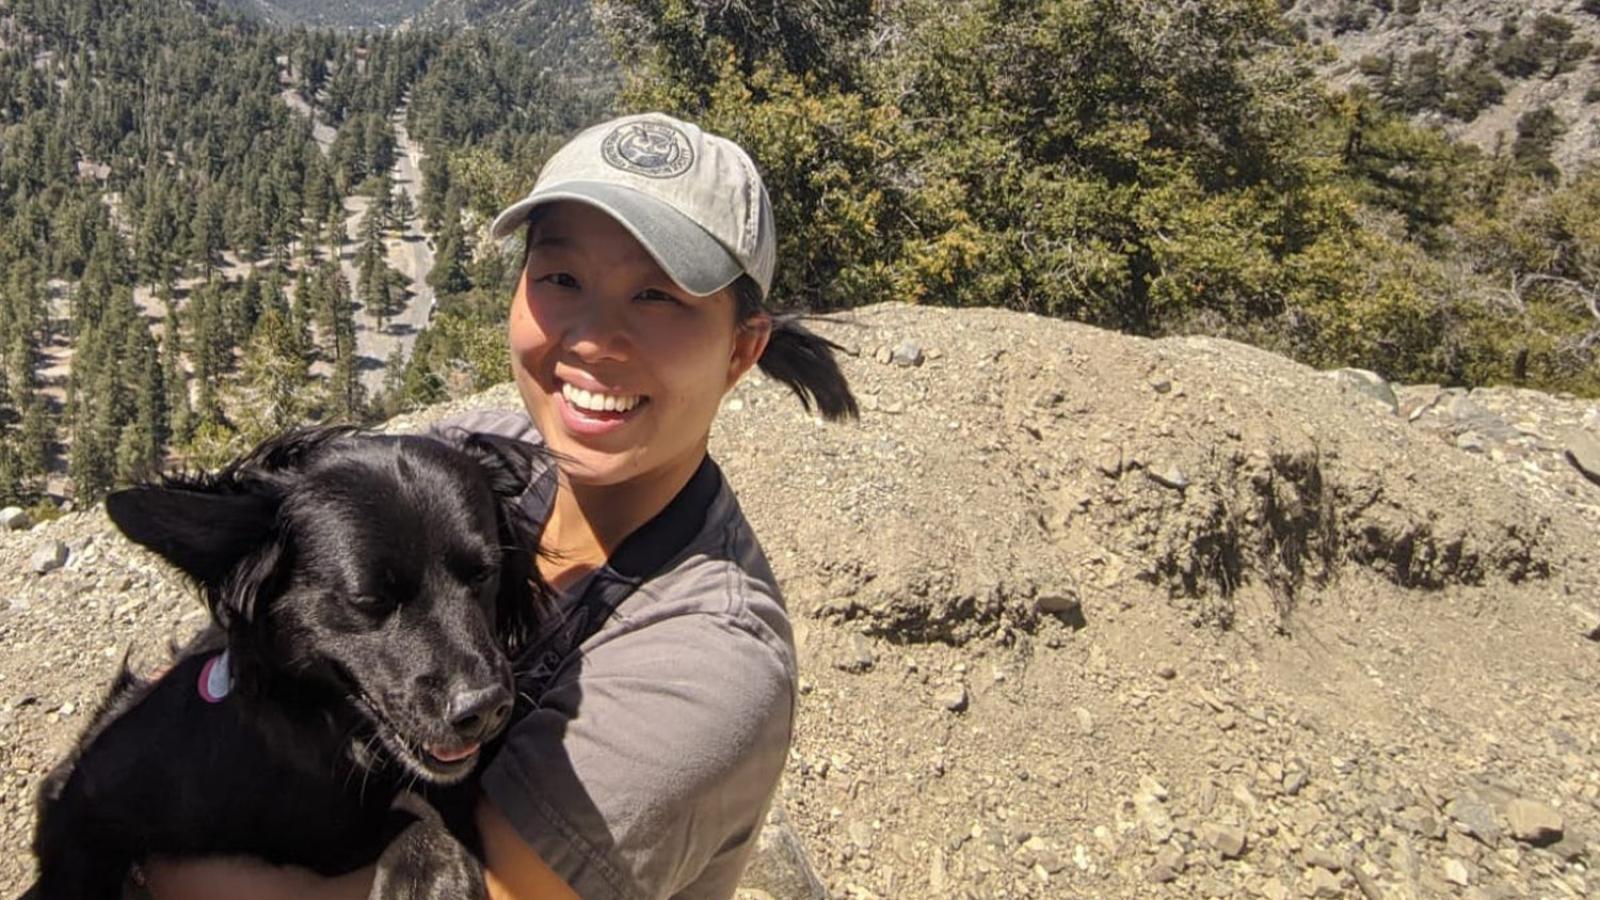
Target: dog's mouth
440, 764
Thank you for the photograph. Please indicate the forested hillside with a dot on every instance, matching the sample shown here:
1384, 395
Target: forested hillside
1490, 73
1157, 168
171, 227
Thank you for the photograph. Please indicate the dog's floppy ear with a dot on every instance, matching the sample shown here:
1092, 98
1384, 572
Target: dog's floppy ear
205, 534
507, 461
524, 597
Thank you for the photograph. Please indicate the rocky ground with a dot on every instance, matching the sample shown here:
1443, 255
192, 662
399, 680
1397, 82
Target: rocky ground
1085, 615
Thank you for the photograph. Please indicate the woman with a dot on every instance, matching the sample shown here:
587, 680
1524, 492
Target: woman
664, 695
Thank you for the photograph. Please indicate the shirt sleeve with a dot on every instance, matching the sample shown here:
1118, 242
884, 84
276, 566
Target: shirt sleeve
651, 760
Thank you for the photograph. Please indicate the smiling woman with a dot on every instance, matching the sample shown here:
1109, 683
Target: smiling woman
657, 705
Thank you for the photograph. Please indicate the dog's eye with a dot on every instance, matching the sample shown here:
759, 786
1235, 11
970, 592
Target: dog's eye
483, 576
372, 604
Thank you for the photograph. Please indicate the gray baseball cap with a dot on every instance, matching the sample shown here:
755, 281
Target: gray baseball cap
693, 200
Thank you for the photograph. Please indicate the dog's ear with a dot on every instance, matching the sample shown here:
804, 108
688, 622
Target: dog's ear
508, 462
204, 533
524, 598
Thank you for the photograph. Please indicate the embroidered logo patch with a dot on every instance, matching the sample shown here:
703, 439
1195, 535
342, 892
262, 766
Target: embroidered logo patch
216, 679
652, 149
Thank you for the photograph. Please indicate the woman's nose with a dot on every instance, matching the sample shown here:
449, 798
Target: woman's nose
600, 330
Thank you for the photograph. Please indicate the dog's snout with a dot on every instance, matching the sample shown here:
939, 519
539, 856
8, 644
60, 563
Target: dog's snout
479, 713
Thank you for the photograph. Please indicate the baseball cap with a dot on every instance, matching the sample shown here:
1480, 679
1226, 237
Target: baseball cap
693, 200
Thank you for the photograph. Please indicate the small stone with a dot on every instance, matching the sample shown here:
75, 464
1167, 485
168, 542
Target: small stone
1060, 603
1151, 788
1161, 385
1322, 883
1583, 451
1475, 817
1166, 672
1168, 475
1085, 720
954, 699
1161, 874
48, 558
884, 355
1294, 781
1588, 621
1370, 384
15, 518
1533, 822
1322, 859
1109, 461
906, 354
1472, 442
859, 657
1456, 872
1273, 889
1228, 840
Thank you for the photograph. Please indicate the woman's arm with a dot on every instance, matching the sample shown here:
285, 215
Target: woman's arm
515, 871
243, 878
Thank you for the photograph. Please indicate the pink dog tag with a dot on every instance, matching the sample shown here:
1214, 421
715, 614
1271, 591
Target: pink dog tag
216, 680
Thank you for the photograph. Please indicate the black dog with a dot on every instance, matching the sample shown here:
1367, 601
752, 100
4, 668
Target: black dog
367, 592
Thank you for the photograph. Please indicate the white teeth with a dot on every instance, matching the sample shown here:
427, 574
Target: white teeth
595, 401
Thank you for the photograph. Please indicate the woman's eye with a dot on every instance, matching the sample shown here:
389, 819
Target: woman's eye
559, 279
658, 296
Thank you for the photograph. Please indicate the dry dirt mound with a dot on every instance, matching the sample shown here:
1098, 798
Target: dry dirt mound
1089, 615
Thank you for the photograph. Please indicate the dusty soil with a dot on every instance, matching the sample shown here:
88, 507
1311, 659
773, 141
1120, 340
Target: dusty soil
1084, 615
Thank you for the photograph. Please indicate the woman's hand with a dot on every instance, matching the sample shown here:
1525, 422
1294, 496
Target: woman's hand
247, 878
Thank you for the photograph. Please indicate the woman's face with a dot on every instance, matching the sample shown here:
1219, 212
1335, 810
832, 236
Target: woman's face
620, 369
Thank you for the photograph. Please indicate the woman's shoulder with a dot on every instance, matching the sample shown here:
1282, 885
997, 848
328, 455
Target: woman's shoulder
501, 421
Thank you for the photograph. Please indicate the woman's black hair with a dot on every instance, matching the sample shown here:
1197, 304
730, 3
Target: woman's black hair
798, 357
795, 355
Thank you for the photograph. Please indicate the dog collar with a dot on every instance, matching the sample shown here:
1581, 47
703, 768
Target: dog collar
216, 679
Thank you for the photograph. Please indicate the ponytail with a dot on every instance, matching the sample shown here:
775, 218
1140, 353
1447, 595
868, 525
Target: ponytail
799, 358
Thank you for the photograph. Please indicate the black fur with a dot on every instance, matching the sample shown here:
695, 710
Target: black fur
369, 591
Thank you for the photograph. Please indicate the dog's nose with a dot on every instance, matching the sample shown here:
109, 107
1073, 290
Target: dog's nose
479, 713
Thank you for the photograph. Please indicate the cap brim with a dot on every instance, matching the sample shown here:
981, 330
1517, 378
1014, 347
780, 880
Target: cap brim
691, 257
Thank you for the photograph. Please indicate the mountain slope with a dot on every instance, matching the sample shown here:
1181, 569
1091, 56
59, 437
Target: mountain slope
1476, 67
1087, 615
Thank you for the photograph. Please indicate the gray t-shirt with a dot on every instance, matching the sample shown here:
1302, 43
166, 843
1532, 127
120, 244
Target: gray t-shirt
653, 748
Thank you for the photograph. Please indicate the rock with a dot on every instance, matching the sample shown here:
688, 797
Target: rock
1533, 822
1168, 475
1151, 789
859, 657
1228, 840
907, 354
49, 557
1588, 621
1166, 672
1475, 817
1294, 781
1322, 883
1321, 858
1472, 442
1583, 451
1064, 605
1370, 384
954, 699
1153, 816
1161, 874
1085, 720
779, 866
15, 518
1456, 872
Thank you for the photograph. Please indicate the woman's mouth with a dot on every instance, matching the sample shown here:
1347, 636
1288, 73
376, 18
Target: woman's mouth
597, 412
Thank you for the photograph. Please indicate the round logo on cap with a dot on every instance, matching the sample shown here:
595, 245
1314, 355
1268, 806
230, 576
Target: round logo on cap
652, 149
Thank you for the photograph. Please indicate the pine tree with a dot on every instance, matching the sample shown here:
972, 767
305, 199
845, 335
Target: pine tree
179, 413
270, 395
449, 274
